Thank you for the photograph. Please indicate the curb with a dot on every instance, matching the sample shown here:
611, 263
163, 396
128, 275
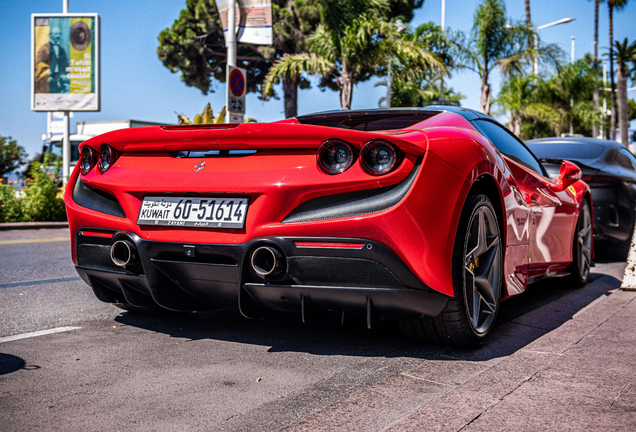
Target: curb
31, 225
629, 277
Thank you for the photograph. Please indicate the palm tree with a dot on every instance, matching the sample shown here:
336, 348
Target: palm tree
574, 83
618, 5
518, 96
539, 107
413, 85
625, 54
349, 45
496, 43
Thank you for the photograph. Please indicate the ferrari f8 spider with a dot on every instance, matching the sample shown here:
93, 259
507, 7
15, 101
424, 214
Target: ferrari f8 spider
428, 216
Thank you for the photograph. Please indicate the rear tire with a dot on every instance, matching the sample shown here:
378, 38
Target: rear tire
470, 315
582, 248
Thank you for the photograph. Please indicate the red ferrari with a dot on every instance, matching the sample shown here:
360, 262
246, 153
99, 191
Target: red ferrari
429, 216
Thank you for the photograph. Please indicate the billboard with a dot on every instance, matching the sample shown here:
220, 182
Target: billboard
65, 62
253, 18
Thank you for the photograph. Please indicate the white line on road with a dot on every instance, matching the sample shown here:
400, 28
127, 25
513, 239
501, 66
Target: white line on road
40, 282
37, 333
34, 240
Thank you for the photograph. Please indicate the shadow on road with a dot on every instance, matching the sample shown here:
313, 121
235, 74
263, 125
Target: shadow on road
10, 363
542, 308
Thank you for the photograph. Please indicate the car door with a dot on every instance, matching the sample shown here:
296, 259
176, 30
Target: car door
551, 214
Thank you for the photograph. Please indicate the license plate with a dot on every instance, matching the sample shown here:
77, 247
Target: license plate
193, 212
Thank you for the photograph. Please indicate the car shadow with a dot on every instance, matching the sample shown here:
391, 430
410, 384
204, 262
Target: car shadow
543, 307
10, 363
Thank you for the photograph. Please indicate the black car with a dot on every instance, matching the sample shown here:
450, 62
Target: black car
610, 170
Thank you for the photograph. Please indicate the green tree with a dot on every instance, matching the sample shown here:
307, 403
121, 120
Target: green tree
625, 54
414, 86
539, 107
352, 42
495, 42
527, 112
12, 155
195, 46
43, 200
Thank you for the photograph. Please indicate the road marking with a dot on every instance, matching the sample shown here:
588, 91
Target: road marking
40, 282
37, 333
35, 240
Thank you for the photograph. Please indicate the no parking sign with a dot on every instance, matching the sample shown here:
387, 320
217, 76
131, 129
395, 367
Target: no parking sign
236, 86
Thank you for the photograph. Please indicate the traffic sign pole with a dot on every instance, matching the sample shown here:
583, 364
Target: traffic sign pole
236, 88
231, 55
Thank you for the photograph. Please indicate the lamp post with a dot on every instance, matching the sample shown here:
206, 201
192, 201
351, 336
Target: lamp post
66, 137
571, 97
535, 63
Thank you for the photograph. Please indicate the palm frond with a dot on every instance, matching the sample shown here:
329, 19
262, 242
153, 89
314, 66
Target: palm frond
294, 65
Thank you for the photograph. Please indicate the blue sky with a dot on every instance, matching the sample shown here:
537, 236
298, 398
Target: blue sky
136, 85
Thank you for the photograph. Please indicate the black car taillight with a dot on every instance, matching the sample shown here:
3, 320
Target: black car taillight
107, 157
379, 157
88, 159
335, 156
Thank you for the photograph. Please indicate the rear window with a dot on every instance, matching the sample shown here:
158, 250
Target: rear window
558, 150
368, 121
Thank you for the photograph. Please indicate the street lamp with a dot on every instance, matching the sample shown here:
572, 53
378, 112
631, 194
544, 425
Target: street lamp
572, 97
441, 81
535, 63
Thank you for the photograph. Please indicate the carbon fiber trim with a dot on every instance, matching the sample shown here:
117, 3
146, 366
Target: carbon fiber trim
353, 203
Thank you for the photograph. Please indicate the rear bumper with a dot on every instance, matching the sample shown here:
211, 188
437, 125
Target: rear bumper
363, 278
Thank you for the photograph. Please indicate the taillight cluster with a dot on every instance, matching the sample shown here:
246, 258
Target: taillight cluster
89, 158
377, 157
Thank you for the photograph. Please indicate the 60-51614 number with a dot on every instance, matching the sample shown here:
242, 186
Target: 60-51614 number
201, 212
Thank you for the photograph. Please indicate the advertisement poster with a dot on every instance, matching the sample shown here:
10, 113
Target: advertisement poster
65, 62
254, 18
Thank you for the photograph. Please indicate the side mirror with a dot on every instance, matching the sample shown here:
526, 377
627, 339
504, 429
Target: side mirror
568, 174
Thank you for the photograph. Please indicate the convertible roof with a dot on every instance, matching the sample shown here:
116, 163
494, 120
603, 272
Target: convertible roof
383, 119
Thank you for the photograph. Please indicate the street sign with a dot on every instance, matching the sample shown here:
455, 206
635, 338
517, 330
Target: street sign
253, 20
236, 89
237, 82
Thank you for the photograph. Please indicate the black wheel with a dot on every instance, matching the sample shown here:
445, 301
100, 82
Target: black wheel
582, 248
467, 318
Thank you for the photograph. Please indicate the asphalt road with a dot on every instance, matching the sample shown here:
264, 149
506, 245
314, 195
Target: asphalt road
212, 370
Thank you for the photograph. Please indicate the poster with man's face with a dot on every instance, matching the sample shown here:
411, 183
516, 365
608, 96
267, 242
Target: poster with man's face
65, 62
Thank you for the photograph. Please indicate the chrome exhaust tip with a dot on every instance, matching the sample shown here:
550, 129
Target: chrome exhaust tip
268, 261
123, 253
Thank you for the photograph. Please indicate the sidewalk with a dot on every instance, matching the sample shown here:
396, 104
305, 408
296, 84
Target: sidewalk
578, 375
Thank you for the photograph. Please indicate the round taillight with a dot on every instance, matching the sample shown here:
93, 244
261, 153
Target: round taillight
378, 157
107, 156
335, 156
88, 159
